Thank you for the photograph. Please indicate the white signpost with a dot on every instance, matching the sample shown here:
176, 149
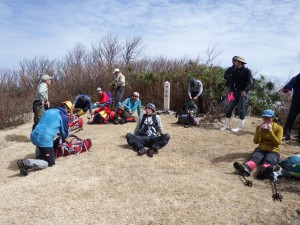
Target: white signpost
166, 96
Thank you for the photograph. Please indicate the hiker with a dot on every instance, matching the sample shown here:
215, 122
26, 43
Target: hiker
242, 82
82, 104
41, 101
119, 86
130, 105
103, 99
268, 136
148, 133
293, 84
228, 78
53, 121
195, 90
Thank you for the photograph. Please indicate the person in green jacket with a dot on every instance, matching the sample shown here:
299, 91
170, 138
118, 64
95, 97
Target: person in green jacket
268, 136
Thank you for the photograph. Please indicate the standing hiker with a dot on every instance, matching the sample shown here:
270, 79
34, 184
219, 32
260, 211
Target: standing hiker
293, 84
195, 90
268, 136
41, 101
53, 121
119, 86
83, 103
148, 133
242, 82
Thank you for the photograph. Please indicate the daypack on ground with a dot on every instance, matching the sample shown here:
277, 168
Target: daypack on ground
109, 102
103, 115
187, 119
73, 146
75, 123
291, 165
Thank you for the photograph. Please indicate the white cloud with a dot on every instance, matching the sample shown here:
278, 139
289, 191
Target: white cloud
265, 32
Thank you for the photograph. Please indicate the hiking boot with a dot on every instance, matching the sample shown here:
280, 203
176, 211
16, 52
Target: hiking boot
150, 152
23, 168
265, 172
142, 151
242, 168
286, 138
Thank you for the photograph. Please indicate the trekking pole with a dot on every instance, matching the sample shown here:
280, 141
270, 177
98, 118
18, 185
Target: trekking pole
276, 196
247, 182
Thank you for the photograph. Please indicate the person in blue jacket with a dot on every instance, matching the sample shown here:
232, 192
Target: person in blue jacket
53, 121
132, 104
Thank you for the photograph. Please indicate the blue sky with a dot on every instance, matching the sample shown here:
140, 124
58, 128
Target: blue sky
265, 32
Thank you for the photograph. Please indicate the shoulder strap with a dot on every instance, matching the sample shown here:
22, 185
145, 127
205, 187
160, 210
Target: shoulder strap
154, 120
143, 120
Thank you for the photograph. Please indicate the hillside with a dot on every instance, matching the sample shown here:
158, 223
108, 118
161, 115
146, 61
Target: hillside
190, 181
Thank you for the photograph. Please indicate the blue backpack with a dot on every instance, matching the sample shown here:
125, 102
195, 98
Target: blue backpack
291, 165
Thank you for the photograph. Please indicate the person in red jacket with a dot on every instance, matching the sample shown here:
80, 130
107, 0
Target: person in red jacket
103, 99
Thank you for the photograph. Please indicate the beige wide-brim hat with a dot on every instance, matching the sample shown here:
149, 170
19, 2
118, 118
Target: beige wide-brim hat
241, 59
116, 70
46, 77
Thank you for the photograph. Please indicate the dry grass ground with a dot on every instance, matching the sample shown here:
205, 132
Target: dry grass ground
190, 181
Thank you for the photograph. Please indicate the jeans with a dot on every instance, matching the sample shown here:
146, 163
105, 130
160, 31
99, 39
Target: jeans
239, 100
293, 112
260, 156
47, 156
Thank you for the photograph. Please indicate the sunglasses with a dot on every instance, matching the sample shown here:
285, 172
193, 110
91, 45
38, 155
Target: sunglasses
135, 96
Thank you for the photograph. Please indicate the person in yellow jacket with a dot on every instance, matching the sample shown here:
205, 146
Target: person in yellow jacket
268, 136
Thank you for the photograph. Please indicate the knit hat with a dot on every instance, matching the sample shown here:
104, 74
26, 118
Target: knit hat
193, 82
151, 106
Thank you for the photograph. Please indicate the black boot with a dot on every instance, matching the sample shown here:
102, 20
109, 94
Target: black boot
265, 172
243, 168
23, 168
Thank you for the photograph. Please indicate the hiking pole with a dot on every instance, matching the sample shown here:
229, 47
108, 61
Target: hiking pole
276, 196
247, 182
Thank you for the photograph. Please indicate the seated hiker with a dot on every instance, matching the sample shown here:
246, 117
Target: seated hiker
130, 105
53, 121
148, 133
82, 104
289, 167
268, 135
102, 100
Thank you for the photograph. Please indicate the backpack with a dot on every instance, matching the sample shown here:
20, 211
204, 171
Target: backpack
74, 146
109, 97
148, 129
103, 115
75, 123
291, 165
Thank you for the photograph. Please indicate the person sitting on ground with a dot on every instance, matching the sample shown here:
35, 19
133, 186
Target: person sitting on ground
195, 91
53, 121
268, 135
148, 133
130, 105
103, 99
82, 104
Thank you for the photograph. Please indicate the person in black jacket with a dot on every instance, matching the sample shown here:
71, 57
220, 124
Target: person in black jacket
293, 84
228, 78
242, 82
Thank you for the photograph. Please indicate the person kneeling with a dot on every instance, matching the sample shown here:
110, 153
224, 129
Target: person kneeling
148, 133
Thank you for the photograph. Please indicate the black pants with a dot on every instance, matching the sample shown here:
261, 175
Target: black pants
259, 156
119, 92
293, 112
48, 154
138, 142
38, 111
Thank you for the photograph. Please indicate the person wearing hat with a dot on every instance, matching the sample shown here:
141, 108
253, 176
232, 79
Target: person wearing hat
293, 84
41, 101
119, 86
130, 105
103, 99
268, 136
228, 78
195, 90
82, 104
148, 133
52, 122
242, 82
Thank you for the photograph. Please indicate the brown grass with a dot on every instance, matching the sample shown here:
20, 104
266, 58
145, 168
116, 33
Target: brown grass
190, 181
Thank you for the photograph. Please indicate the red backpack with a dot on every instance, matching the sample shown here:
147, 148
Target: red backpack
74, 146
75, 123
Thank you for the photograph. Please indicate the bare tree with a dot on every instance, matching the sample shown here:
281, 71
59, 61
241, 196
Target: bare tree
212, 55
132, 49
110, 49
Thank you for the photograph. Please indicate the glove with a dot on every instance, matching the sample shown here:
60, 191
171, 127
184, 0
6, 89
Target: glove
276, 174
